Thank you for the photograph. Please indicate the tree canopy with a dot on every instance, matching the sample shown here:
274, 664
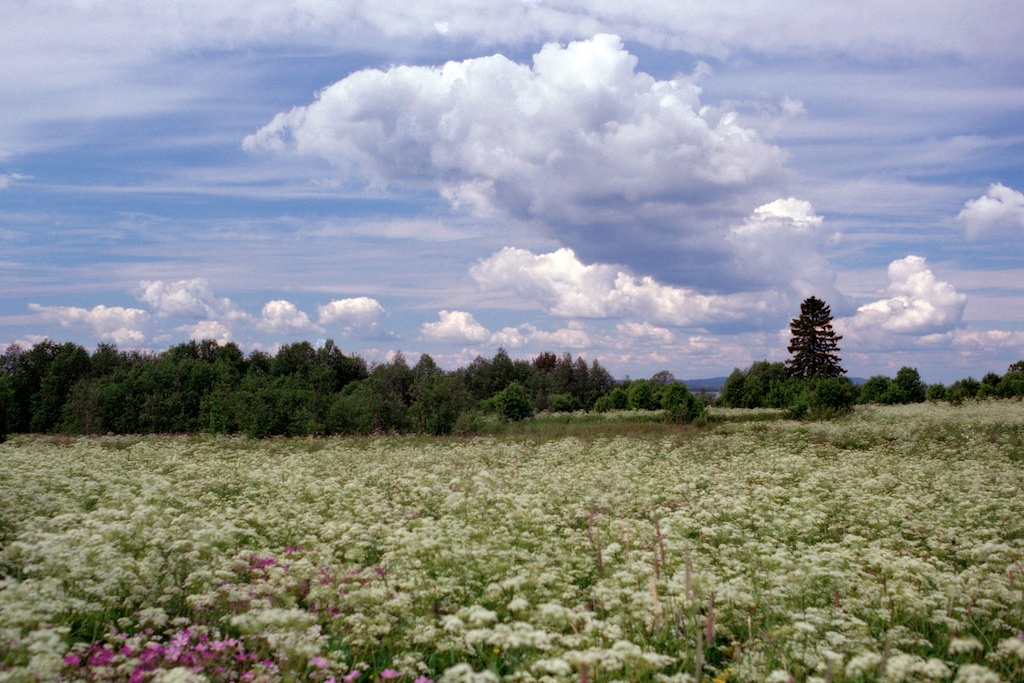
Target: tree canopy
814, 344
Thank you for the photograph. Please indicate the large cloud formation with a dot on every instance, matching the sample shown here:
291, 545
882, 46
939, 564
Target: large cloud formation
776, 255
613, 161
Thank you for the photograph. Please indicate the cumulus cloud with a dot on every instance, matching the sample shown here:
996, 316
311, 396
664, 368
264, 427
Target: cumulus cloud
645, 332
283, 316
455, 327
579, 141
989, 341
186, 298
359, 316
460, 327
919, 304
779, 246
114, 323
573, 336
208, 329
1000, 209
563, 286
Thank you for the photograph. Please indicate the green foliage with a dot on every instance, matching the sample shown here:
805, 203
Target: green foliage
814, 344
438, 398
907, 387
6, 403
680, 404
763, 385
641, 395
963, 389
616, 399
733, 394
875, 390
825, 398
1011, 384
936, 392
513, 402
564, 403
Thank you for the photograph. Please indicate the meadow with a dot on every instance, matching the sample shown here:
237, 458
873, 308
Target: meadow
884, 546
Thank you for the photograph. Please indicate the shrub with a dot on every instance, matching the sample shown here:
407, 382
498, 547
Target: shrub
680, 404
936, 392
641, 396
963, 389
825, 398
563, 403
514, 403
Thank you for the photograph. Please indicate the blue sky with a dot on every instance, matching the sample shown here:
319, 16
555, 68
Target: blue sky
657, 187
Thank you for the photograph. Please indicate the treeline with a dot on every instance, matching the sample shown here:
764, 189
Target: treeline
300, 390
770, 385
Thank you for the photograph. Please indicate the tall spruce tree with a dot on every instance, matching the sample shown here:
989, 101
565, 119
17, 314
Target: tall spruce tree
814, 343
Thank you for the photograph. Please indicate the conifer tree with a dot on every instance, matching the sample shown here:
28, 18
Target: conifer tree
814, 344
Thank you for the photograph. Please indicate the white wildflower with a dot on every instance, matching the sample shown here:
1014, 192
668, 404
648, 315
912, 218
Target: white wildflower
1011, 647
959, 646
976, 673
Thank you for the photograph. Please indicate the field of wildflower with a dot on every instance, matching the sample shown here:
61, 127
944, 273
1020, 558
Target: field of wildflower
885, 546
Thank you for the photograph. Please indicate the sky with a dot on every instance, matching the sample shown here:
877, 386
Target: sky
653, 185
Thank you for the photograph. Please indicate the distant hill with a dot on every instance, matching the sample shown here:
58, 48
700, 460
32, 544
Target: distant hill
707, 384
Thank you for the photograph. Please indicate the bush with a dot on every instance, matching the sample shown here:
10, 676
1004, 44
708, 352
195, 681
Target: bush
963, 389
825, 398
875, 390
641, 396
514, 403
680, 404
563, 403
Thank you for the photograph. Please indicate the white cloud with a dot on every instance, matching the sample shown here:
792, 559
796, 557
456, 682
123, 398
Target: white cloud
579, 140
987, 342
919, 304
564, 286
208, 329
283, 316
114, 323
644, 331
572, 336
359, 316
460, 327
779, 246
186, 298
8, 179
999, 209
455, 327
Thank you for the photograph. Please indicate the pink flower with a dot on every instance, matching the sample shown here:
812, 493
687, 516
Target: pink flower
351, 675
390, 673
101, 657
318, 662
423, 679
72, 660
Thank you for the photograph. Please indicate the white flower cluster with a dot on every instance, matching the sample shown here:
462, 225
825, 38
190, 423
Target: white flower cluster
887, 546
